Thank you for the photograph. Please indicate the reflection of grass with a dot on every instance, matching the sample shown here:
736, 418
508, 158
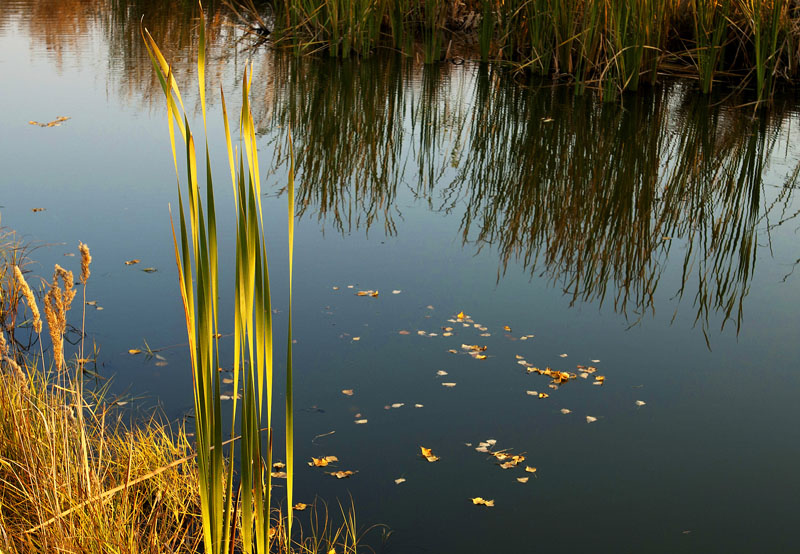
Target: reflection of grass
585, 191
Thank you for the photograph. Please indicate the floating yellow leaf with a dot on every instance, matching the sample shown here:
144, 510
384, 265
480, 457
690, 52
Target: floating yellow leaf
322, 462
398, 405
149, 270
396, 291
480, 501
531, 393
360, 421
134, 351
530, 469
342, 474
300, 506
399, 480
418, 406
372, 293
460, 315
640, 403
427, 453
356, 339
449, 385
278, 465
565, 411
479, 356
347, 392
543, 395
590, 419
523, 479
506, 328
278, 474
562, 355
403, 332
600, 378
132, 262
453, 351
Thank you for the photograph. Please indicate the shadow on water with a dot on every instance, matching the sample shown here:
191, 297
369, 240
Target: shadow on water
595, 197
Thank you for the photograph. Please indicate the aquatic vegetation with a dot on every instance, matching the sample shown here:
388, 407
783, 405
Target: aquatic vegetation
198, 271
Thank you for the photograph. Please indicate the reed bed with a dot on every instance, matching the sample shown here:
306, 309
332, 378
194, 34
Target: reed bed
608, 45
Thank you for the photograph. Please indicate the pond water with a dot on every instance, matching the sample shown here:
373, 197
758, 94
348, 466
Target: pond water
657, 235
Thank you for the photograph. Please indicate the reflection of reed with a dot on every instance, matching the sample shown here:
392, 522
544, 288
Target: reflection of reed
595, 196
69, 27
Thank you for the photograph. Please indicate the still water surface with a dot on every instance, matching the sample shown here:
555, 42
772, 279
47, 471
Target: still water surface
658, 235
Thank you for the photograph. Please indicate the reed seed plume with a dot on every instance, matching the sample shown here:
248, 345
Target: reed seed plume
3, 345
57, 303
29, 298
86, 259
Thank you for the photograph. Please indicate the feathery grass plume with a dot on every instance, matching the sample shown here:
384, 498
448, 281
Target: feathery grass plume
29, 298
3, 345
86, 259
57, 303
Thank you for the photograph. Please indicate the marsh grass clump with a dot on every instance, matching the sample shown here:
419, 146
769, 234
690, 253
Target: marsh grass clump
608, 45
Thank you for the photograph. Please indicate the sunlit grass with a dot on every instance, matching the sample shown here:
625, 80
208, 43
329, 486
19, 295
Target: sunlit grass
197, 259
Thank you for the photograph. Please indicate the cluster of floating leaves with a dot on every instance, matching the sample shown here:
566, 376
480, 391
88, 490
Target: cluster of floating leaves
55, 123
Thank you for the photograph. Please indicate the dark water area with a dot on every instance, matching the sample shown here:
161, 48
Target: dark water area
657, 235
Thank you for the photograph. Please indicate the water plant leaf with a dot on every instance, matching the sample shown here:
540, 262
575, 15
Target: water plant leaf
342, 474
427, 453
322, 462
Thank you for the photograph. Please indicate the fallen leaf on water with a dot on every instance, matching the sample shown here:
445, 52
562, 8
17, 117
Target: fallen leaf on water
403, 332
37, 210
360, 421
523, 338
300, 506
531, 393
356, 339
565, 411
479, 356
517, 356
91, 302
599, 378
421, 333
523, 479
595, 361
491, 442
590, 419
441, 373
396, 291
484, 449
640, 402
430, 307
342, 474
562, 355
418, 406
427, 453
278, 474
506, 328
530, 469
398, 405
132, 262
347, 392
547, 120
460, 315
449, 385
372, 293
486, 334
433, 334
149, 270
161, 363
399, 480
584, 375
278, 465
322, 462
480, 501
448, 334
453, 351
335, 288
543, 395
134, 351
351, 286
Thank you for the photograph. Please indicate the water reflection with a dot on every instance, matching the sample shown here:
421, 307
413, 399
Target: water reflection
595, 197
